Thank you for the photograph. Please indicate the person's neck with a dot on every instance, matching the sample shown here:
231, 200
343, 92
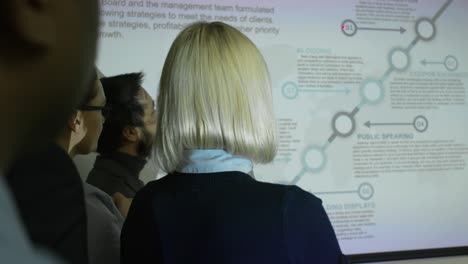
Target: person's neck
64, 141
8, 147
10, 86
129, 149
6, 154
4, 160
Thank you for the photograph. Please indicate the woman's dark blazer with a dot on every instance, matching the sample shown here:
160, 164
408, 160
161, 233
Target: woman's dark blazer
226, 217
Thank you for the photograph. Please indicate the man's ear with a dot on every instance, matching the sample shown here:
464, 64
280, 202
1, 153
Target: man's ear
75, 123
34, 21
131, 134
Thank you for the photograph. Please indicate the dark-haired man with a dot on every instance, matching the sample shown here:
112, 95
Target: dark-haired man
126, 140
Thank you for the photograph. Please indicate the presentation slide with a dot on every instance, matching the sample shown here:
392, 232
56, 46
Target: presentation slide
370, 98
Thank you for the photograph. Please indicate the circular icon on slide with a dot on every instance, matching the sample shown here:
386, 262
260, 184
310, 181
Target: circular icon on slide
425, 29
366, 191
349, 27
343, 124
372, 92
290, 90
314, 159
399, 59
421, 124
451, 63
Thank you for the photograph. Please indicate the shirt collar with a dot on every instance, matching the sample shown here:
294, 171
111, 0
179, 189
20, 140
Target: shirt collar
213, 160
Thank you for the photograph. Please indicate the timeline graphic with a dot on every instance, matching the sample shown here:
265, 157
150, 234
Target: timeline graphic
372, 92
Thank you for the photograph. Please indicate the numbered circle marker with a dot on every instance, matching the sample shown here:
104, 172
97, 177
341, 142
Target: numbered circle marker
366, 191
420, 123
349, 28
451, 63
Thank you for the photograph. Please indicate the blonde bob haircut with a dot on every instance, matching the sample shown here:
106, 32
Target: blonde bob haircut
215, 93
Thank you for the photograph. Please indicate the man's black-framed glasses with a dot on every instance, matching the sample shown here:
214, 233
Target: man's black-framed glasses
104, 109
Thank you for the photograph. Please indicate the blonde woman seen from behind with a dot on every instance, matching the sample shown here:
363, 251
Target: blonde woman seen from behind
216, 121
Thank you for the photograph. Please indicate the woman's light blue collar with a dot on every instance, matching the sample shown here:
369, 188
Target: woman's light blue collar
213, 160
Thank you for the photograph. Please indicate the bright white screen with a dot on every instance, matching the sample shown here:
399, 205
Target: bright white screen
370, 97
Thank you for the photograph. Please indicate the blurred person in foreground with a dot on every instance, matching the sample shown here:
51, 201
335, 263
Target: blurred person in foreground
47, 52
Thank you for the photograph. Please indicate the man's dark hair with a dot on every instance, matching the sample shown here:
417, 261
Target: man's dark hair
123, 109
